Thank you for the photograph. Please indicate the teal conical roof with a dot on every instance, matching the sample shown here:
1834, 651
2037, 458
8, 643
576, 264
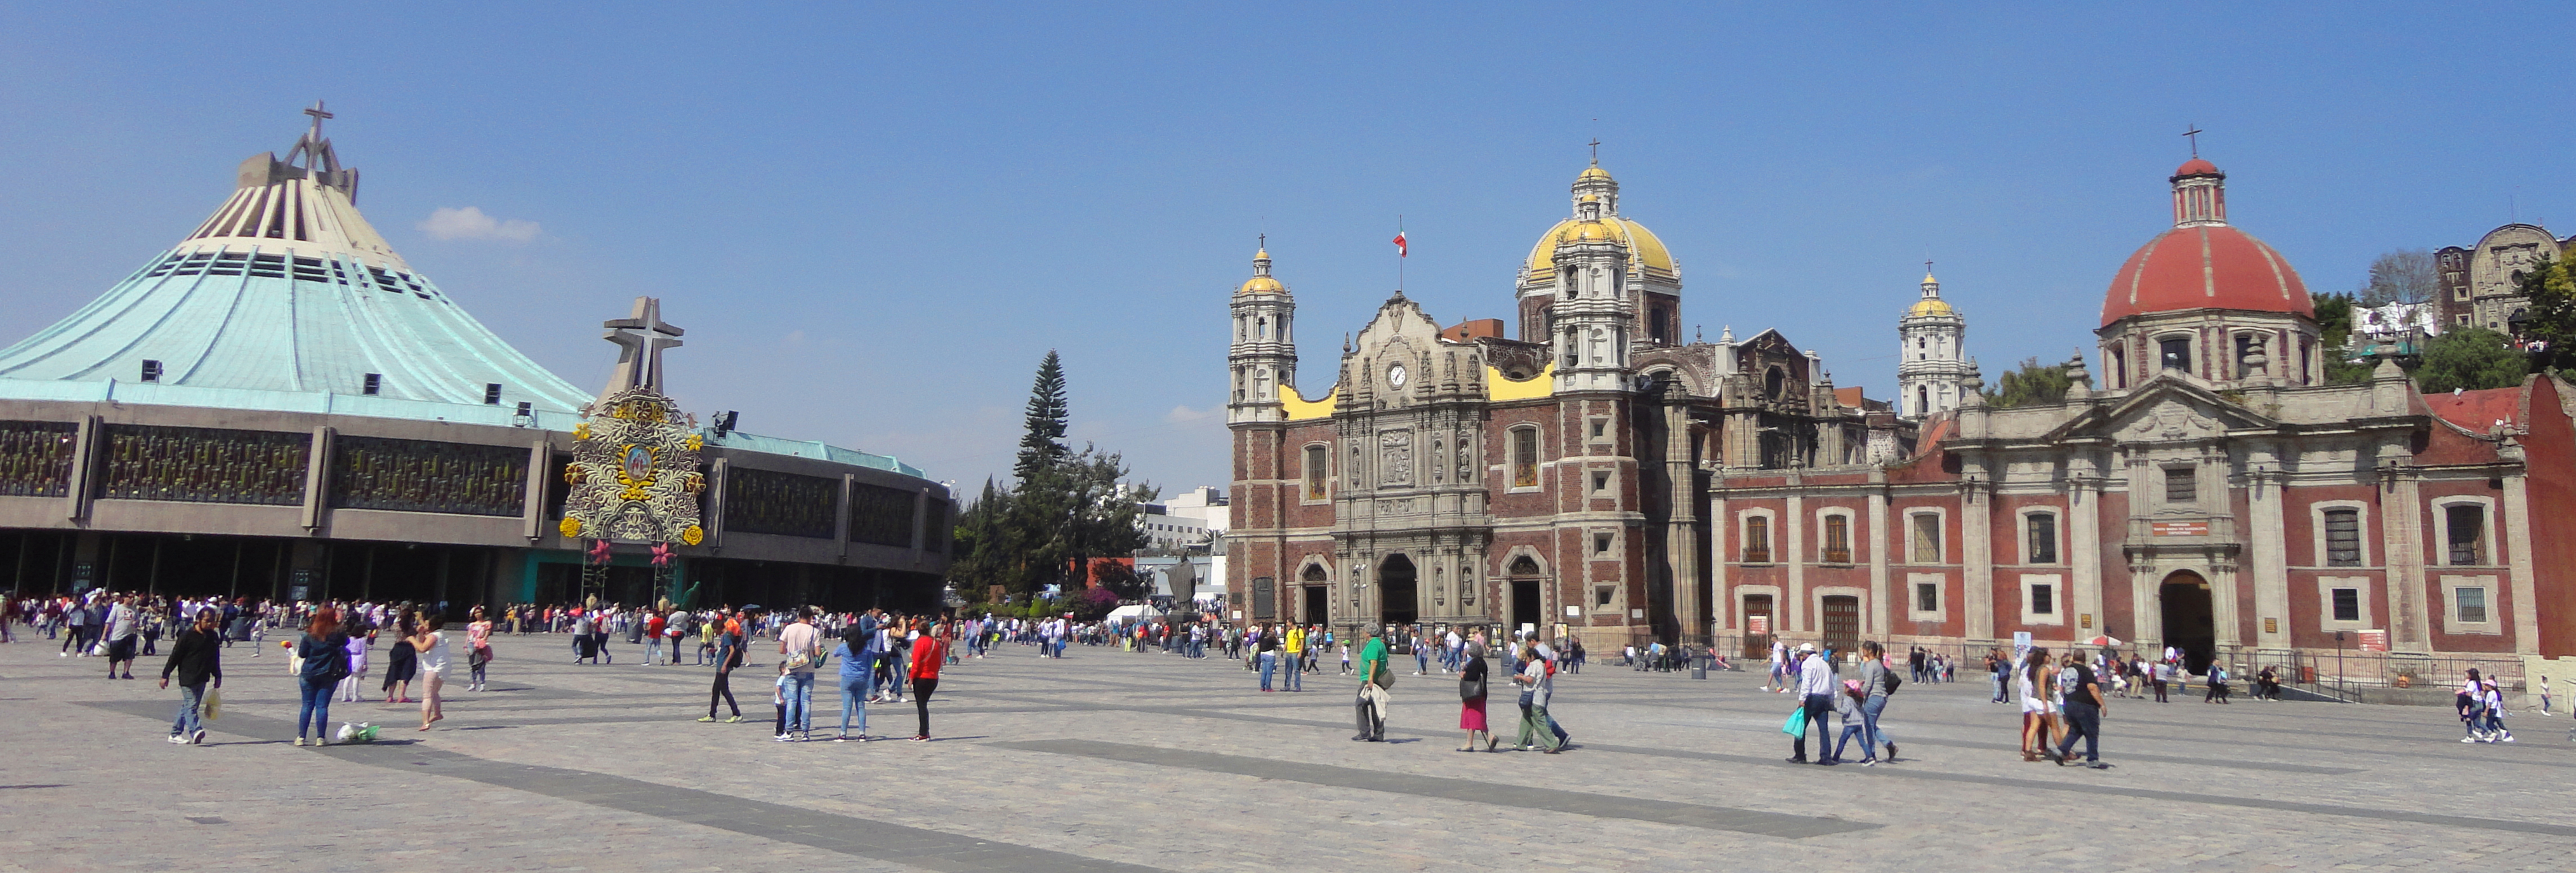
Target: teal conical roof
285, 298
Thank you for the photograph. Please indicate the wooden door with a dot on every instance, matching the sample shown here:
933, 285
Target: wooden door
1842, 623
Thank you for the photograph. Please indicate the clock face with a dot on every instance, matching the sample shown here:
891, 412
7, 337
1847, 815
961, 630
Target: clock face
1395, 375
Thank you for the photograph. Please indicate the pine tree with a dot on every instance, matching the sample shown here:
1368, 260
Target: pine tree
1042, 447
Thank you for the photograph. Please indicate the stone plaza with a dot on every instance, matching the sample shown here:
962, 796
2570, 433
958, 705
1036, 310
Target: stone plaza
1109, 760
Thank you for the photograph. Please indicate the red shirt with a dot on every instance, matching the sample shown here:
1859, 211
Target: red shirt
653, 626
927, 654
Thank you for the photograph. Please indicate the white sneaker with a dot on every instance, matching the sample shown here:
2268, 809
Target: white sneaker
2468, 739
177, 740
2508, 736
199, 738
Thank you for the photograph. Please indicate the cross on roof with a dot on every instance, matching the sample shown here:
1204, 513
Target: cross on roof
318, 114
1596, 151
2193, 134
641, 339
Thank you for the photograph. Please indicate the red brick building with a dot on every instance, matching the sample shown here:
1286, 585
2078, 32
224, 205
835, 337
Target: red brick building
2210, 493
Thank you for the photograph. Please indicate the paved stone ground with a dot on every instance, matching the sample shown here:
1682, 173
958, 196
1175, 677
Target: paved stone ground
1117, 761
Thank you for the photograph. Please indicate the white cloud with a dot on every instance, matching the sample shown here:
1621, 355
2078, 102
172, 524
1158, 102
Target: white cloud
470, 223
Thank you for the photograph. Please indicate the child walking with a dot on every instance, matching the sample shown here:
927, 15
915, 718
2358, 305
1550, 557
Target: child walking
779, 697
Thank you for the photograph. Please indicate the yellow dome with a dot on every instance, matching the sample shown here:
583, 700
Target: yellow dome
1593, 173
1931, 306
1642, 243
1261, 285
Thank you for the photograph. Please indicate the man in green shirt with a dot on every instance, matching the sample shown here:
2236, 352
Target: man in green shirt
1375, 677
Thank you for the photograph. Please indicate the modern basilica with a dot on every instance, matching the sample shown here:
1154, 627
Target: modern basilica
280, 406
2208, 490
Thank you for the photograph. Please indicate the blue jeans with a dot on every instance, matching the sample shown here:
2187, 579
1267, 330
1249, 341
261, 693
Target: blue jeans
894, 673
1269, 662
800, 702
1871, 741
1296, 671
854, 700
2082, 720
1850, 730
653, 650
315, 711
190, 697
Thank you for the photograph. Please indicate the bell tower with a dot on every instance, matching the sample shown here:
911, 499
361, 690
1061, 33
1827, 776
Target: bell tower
1595, 307
1932, 355
1263, 357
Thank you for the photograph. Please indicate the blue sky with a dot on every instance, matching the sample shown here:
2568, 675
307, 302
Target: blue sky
874, 220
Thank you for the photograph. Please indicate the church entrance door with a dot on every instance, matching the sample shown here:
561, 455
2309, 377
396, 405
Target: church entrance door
1396, 600
1319, 604
1524, 582
2189, 622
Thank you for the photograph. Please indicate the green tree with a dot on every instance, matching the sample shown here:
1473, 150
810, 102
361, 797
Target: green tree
1042, 443
987, 553
2032, 384
2334, 329
1062, 508
2551, 318
2472, 358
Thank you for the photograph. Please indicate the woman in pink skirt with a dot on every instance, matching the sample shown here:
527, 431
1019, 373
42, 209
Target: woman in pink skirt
1471, 696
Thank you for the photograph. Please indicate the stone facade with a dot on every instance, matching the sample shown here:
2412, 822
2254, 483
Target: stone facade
1555, 480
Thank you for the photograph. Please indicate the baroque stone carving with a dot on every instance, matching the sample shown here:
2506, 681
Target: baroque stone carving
1395, 457
2171, 421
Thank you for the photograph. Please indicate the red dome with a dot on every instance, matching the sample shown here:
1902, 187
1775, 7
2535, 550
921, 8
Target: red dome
2205, 267
2196, 167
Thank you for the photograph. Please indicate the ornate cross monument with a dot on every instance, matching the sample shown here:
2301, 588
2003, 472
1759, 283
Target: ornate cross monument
640, 339
634, 471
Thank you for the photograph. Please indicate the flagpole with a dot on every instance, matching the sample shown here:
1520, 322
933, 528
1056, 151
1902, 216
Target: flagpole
1399, 255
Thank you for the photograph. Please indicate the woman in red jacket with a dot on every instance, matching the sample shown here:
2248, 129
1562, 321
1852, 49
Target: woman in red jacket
928, 652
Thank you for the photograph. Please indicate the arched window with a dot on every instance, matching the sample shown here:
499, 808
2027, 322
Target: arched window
1772, 383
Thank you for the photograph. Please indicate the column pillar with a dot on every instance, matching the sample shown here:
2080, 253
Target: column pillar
2516, 536
1793, 546
2267, 550
2084, 552
2226, 620
1976, 559
1681, 528
1880, 607
2401, 516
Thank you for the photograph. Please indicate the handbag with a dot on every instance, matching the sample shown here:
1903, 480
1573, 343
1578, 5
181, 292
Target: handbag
214, 705
1796, 726
1471, 689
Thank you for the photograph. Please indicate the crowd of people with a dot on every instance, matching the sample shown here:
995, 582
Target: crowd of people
336, 648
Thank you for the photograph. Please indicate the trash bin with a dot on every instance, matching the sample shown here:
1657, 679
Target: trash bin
2307, 674
1699, 667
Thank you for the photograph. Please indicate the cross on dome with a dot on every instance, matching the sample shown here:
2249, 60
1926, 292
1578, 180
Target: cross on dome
2192, 132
